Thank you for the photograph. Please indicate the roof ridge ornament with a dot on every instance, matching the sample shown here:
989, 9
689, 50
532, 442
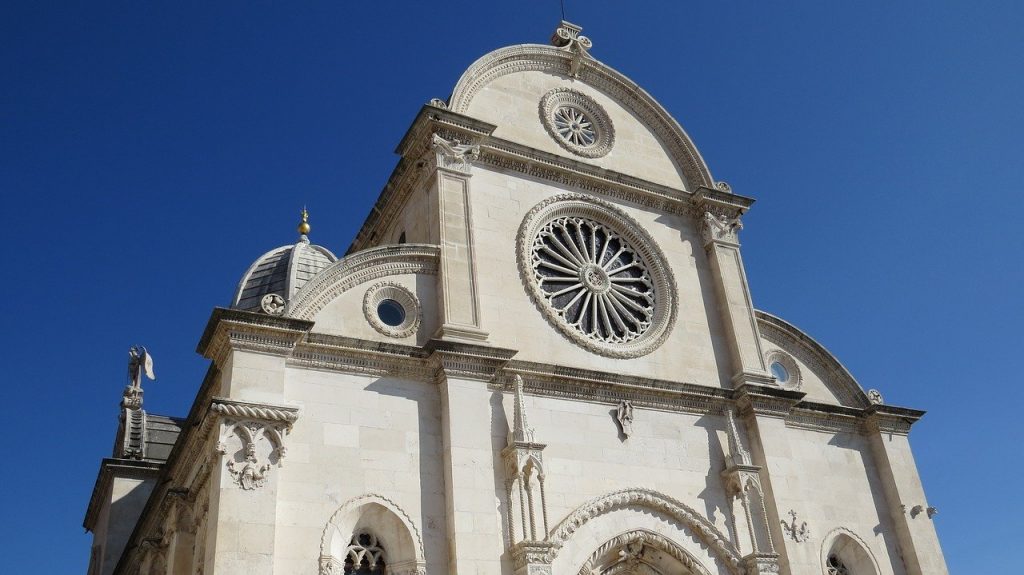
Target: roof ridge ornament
568, 37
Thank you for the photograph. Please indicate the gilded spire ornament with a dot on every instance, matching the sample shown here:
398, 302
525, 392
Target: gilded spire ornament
304, 225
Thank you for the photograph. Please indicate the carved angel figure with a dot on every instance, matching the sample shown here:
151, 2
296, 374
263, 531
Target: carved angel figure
625, 417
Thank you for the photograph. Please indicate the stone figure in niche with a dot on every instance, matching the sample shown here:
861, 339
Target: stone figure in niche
625, 416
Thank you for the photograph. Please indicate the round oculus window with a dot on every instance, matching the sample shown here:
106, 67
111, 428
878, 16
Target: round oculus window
597, 276
783, 368
391, 312
577, 122
392, 309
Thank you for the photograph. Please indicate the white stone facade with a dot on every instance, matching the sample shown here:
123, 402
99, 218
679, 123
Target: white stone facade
493, 428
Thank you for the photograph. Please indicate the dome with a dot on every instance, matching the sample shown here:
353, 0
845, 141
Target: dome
282, 272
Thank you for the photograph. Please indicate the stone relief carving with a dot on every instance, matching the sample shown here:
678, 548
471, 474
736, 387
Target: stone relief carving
628, 550
273, 304
438, 103
875, 397
568, 37
797, 533
259, 430
453, 154
624, 413
639, 290
720, 228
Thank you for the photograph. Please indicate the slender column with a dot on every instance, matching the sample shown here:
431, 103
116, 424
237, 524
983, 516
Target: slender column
911, 514
458, 300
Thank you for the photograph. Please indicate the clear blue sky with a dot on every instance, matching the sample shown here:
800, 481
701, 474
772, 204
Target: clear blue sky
149, 151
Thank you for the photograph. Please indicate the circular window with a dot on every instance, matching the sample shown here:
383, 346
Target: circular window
597, 276
577, 122
392, 309
391, 312
780, 372
783, 368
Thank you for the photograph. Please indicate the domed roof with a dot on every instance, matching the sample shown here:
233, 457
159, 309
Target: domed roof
282, 272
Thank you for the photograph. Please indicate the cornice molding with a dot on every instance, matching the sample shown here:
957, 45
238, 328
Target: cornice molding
110, 468
249, 331
505, 155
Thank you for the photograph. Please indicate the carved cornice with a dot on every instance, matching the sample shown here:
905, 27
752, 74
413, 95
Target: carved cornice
466, 360
506, 155
248, 331
763, 400
824, 417
551, 380
890, 419
363, 357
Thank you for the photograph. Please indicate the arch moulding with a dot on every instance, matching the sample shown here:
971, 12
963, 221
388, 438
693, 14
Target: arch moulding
355, 503
652, 500
552, 60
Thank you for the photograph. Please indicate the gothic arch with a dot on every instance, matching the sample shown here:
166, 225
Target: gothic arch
851, 550
357, 268
651, 500
537, 57
677, 559
383, 518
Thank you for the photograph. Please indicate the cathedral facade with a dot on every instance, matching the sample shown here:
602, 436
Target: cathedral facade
539, 356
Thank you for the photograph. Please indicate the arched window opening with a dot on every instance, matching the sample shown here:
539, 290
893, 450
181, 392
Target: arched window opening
365, 556
835, 566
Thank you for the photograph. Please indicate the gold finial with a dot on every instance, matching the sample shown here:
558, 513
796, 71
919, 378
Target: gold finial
304, 226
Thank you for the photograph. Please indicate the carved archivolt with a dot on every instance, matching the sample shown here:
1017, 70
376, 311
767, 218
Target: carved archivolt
700, 527
627, 550
342, 521
553, 60
360, 267
597, 276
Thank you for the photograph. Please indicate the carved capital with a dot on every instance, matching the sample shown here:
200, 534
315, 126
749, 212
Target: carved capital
720, 228
533, 557
453, 154
761, 564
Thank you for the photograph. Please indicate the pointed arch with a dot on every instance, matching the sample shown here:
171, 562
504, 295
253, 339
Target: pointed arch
537, 57
637, 539
852, 551
652, 500
381, 517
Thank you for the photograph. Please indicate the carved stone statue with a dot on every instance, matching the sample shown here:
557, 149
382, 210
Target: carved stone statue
139, 363
625, 417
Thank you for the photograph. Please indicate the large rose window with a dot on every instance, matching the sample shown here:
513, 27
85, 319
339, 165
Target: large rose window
597, 276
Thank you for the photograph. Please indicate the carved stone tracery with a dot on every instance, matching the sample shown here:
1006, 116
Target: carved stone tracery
257, 432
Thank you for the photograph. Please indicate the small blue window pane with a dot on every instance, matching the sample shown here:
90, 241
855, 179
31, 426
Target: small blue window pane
391, 312
780, 372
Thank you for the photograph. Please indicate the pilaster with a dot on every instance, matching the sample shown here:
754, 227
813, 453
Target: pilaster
719, 221
470, 446
449, 164
887, 428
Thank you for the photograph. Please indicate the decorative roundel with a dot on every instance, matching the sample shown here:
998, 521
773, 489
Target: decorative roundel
597, 276
577, 122
272, 304
784, 368
392, 309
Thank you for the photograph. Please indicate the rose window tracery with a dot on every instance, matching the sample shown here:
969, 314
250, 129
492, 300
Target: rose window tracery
573, 125
596, 275
593, 279
577, 122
